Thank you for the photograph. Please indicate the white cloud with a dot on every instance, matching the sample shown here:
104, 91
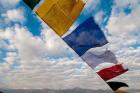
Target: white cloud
124, 38
132, 20
53, 43
13, 54
14, 15
99, 17
90, 3
122, 4
124, 30
32, 70
9, 3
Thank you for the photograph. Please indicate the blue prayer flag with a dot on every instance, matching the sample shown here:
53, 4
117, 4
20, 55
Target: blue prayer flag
87, 35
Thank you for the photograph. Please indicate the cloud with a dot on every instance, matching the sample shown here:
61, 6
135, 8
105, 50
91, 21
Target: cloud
27, 67
123, 4
99, 17
31, 61
124, 38
126, 28
14, 15
53, 43
9, 3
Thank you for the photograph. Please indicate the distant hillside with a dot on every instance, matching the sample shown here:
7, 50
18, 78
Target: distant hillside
75, 90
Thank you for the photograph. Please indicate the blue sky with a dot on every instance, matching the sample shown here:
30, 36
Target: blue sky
27, 44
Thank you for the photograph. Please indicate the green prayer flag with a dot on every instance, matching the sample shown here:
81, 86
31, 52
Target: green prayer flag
31, 3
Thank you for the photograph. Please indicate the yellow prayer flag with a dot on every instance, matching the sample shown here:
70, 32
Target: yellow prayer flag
60, 14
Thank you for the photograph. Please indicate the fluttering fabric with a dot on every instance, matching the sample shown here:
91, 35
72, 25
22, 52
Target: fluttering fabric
87, 35
116, 85
111, 72
94, 60
32, 3
60, 16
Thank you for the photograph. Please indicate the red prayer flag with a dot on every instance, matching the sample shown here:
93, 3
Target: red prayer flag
112, 72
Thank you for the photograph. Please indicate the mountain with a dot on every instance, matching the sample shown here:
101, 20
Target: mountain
75, 90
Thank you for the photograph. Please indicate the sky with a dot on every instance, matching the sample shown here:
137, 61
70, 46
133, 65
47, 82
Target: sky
31, 53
